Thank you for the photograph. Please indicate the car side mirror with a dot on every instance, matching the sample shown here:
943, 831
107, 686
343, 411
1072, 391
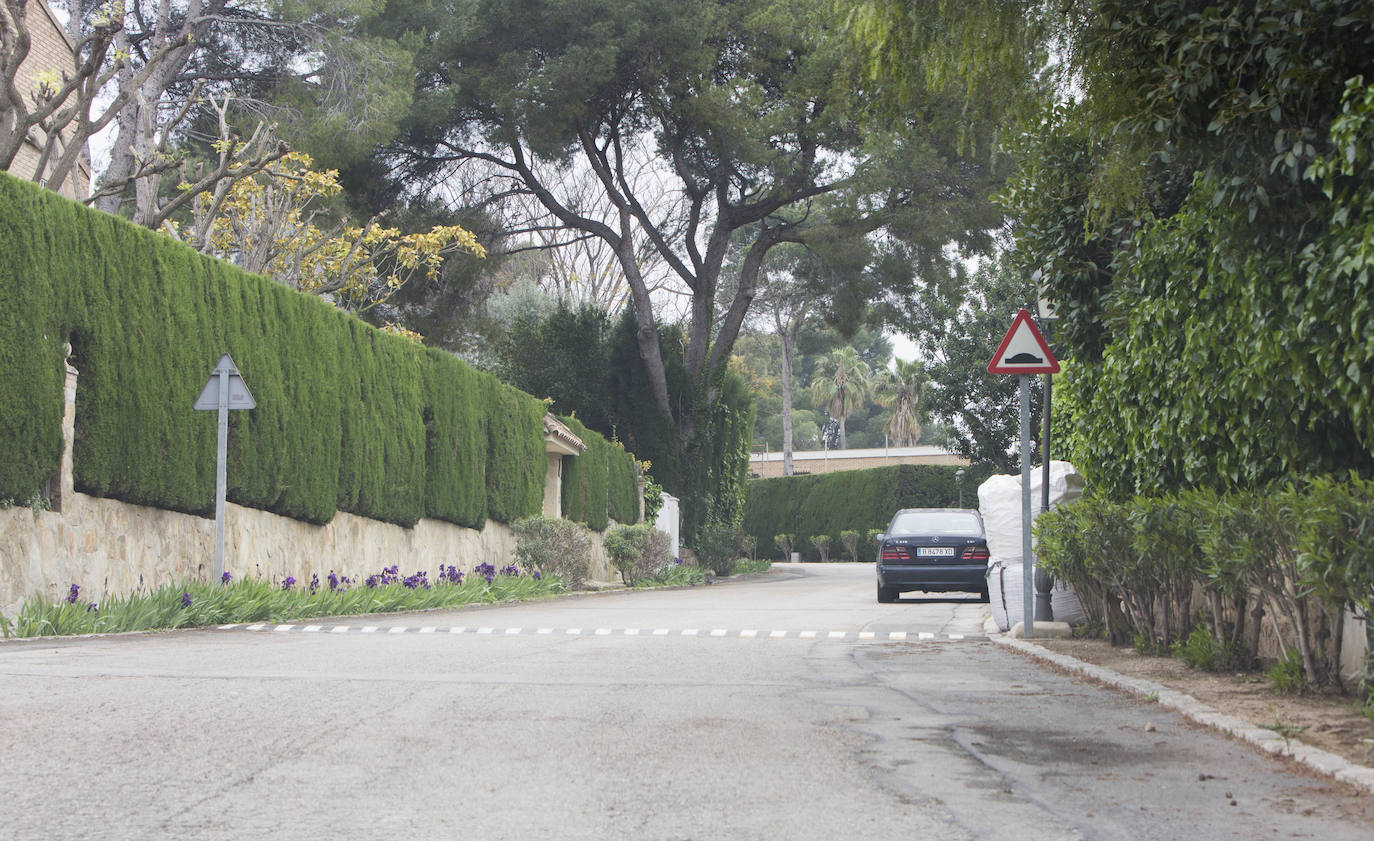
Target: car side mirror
880, 536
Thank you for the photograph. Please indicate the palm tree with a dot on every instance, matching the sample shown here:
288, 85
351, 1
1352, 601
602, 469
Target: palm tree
841, 383
903, 391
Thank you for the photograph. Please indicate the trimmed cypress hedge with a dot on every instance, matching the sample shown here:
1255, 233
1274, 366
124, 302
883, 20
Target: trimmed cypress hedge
348, 418
600, 485
585, 480
622, 488
829, 503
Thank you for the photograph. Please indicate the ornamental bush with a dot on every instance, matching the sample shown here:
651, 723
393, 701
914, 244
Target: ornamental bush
637, 551
1292, 558
554, 547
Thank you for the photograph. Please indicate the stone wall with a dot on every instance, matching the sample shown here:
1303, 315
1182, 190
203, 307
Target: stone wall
111, 548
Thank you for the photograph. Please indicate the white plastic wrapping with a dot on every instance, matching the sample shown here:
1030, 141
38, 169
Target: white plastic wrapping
999, 501
1005, 593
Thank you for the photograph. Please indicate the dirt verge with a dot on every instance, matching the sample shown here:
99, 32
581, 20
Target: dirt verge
1330, 723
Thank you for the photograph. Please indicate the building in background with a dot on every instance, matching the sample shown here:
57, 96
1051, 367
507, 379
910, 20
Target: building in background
50, 52
769, 464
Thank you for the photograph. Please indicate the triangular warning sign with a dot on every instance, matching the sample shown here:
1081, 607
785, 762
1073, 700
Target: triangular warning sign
1023, 350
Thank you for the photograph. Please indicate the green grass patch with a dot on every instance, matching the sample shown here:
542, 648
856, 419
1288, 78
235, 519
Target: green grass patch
255, 600
745, 566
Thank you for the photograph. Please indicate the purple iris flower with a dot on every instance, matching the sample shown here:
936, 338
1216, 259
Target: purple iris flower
185, 600
72, 594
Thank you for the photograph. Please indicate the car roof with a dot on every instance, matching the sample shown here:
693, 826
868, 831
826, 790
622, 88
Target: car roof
940, 511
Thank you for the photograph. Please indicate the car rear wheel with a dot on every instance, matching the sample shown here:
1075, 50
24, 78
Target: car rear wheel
887, 595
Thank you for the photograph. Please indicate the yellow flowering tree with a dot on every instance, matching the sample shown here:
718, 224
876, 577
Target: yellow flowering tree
269, 223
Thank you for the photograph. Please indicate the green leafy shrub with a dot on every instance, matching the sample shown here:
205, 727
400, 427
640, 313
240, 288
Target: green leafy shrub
747, 545
637, 551
783, 542
716, 549
1199, 650
554, 546
1288, 675
850, 540
822, 544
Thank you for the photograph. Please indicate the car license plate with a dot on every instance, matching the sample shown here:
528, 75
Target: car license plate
935, 552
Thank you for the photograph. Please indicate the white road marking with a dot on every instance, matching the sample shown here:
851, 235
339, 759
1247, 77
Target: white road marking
485, 630
283, 627
544, 631
777, 634
603, 632
806, 635
660, 632
690, 632
313, 629
255, 627
897, 635
865, 635
925, 635
457, 630
837, 635
631, 632
956, 636
426, 630
398, 630
572, 632
339, 629
227, 627
511, 632
746, 634
369, 629
718, 632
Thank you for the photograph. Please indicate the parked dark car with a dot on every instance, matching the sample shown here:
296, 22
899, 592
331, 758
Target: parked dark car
936, 550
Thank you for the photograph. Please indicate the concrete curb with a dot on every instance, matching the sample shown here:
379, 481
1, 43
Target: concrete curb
1189, 707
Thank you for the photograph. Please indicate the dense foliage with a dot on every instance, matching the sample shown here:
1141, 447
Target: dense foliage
1201, 222
1290, 558
348, 418
849, 500
589, 365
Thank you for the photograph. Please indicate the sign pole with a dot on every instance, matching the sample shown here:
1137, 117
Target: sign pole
223, 392
1027, 566
1024, 352
221, 470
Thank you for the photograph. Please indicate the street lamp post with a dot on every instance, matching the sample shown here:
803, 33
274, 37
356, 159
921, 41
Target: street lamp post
959, 480
1044, 582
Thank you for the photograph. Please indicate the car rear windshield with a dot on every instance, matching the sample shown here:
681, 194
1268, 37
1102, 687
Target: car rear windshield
936, 522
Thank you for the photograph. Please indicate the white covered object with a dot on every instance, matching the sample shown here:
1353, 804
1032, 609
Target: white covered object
1005, 593
999, 501
1065, 606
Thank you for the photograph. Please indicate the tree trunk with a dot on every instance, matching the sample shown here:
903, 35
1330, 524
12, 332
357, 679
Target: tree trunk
787, 334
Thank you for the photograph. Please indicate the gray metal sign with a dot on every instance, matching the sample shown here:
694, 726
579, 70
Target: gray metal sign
239, 396
226, 390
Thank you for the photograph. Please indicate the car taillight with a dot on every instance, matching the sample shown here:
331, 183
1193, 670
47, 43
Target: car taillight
975, 553
895, 553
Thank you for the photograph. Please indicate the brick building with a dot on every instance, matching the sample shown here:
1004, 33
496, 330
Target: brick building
50, 52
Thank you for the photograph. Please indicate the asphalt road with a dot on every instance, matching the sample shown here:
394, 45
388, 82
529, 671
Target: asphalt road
790, 706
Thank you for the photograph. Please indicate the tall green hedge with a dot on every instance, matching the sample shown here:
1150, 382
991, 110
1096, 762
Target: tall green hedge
829, 503
348, 418
601, 484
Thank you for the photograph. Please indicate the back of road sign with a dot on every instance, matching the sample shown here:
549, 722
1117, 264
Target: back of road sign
239, 396
1023, 350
